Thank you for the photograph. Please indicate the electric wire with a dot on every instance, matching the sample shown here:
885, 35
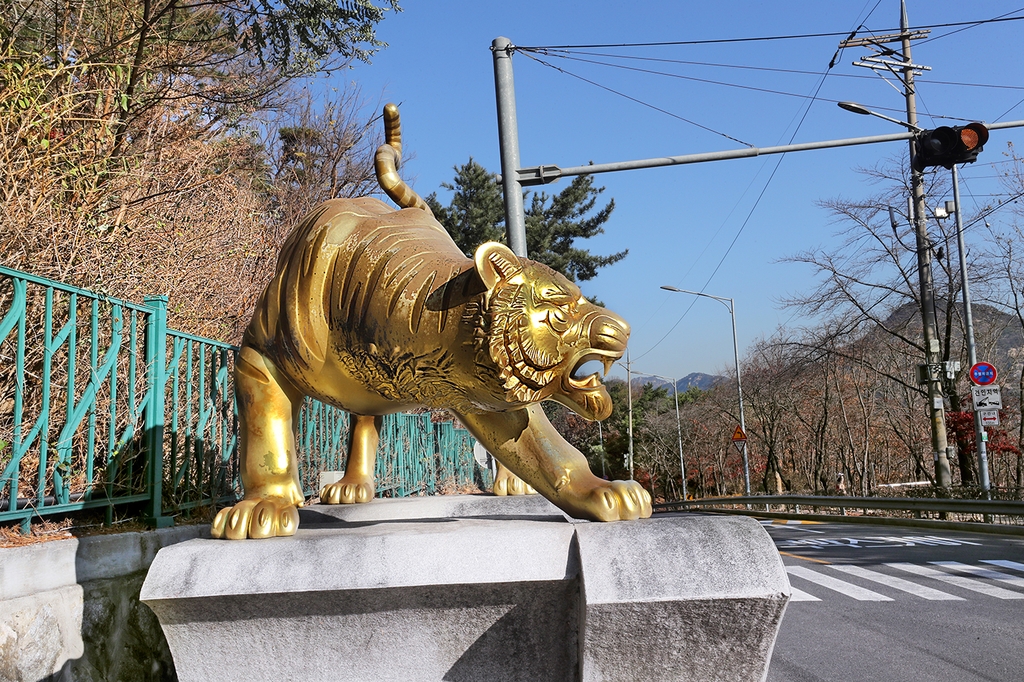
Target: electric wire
712, 82
638, 101
719, 41
746, 221
771, 69
1009, 110
971, 25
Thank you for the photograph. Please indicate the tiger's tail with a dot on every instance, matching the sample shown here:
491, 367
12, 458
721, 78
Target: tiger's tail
387, 160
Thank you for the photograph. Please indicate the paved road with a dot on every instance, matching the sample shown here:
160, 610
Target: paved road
881, 603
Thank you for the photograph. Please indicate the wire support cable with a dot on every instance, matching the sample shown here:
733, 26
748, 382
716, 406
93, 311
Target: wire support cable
639, 101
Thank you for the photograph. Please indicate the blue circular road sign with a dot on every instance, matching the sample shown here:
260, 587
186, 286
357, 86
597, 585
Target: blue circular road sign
983, 373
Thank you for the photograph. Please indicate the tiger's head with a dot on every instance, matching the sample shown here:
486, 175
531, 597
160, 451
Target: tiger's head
541, 331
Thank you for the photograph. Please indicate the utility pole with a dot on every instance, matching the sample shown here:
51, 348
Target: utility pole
906, 67
924, 269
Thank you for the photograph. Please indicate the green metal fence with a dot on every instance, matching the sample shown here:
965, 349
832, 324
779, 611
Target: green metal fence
102, 406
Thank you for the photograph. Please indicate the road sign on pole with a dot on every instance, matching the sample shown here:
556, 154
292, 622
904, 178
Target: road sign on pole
739, 438
989, 417
983, 373
987, 398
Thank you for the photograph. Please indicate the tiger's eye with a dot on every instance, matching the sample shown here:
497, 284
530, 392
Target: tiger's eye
558, 320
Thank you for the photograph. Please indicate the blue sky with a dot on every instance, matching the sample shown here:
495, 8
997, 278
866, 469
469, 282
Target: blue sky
678, 222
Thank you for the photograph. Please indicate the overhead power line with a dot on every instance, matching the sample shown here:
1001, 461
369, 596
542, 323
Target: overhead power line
700, 80
714, 41
747, 67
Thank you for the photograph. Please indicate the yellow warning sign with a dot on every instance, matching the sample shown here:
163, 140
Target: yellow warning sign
738, 435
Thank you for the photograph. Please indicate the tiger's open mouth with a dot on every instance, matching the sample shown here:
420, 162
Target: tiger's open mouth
582, 389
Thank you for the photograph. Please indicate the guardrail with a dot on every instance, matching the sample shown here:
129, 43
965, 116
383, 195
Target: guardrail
909, 504
103, 406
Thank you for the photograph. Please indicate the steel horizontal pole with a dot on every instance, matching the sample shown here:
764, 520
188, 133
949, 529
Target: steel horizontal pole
540, 175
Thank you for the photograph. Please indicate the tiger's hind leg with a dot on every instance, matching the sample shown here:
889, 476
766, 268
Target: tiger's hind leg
268, 406
356, 486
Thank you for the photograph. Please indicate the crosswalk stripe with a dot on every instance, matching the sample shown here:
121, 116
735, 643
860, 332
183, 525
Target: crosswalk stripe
800, 595
841, 586
958, 581
897, 583
982, 572
1004, 563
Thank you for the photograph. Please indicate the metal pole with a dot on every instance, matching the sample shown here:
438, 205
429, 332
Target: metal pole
731, 305
679, 428
542, 175
508, 141
936, 409
739, 392
629, 395
972, 355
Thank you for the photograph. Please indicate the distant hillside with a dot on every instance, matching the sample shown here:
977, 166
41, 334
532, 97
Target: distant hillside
998, 334
694, 379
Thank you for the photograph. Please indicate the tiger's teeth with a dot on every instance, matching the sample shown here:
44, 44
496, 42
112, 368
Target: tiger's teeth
608, 363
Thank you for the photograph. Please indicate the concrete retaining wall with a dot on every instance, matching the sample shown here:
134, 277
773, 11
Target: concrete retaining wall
70, 610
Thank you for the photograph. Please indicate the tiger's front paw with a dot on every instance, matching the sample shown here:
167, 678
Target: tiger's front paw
259, 518
590, 497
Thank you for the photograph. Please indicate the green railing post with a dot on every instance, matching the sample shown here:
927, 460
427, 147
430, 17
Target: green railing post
156, 369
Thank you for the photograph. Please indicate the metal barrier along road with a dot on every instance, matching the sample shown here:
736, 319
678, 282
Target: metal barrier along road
102, 406
911, 504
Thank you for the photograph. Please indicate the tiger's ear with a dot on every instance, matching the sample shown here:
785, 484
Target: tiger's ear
496, 262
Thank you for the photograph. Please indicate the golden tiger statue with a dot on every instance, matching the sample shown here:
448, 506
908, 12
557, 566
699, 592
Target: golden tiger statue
378, 311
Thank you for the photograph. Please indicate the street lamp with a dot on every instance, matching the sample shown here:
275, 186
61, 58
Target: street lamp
730, 304
864, 111
679, 428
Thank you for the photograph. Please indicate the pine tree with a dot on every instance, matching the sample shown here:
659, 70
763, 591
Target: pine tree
476, 213
553, 223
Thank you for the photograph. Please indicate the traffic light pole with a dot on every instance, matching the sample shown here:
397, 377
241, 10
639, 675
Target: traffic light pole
972, 354
936, 408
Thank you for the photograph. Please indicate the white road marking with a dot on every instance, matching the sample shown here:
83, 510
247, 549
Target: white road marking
958, 581
800, 595
841, 586
896, 583
981, 571
1004, 563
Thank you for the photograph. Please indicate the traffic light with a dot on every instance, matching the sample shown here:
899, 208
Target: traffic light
946, 146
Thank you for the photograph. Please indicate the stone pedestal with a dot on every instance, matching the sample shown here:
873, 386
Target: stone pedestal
474, 588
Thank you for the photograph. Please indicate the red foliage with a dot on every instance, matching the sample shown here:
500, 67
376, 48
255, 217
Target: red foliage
960, 429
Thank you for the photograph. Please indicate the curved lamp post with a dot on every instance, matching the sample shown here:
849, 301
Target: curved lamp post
730, 304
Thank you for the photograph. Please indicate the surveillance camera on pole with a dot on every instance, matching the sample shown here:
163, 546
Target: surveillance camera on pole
947, 146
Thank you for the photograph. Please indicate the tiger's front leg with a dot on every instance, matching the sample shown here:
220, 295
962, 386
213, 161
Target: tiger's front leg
356, 486
525, 441
267, 408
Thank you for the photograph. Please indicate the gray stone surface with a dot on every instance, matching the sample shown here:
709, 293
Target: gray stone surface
680, 597
70, 610
435, 507
474, 588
